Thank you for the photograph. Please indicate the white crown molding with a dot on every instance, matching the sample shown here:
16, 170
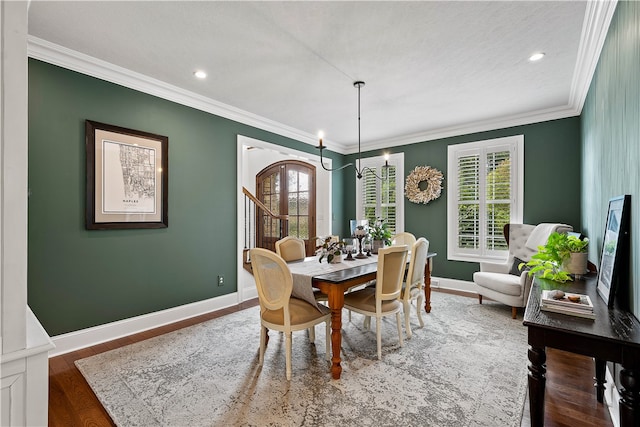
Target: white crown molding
597, 19
61, 56
480, 126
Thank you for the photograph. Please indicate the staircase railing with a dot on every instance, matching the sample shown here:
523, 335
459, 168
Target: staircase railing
262, 227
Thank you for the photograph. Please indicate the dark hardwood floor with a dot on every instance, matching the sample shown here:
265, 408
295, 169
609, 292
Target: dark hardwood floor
570, 397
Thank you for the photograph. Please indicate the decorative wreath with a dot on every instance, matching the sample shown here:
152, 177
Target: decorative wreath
432, 176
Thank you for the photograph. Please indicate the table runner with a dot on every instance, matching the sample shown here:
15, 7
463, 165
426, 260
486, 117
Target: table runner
303, 272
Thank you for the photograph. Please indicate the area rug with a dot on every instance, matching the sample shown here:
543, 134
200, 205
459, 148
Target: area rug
466, 367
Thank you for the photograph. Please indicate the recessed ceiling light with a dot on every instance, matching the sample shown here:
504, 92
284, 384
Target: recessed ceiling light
200, 74
536, 57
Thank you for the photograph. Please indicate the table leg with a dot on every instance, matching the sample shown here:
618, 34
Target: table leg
336, 303
601, 366
537, 379
629, 398
427, 286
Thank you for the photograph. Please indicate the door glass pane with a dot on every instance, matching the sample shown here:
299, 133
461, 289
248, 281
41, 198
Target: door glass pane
293, 204
303, 182
303, 203
303, 227
293, 180
293, 226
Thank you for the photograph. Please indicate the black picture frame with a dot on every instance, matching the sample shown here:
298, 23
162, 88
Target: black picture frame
615, 249
127, 176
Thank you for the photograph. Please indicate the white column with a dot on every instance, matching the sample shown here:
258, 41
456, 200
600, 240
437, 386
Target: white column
24, 344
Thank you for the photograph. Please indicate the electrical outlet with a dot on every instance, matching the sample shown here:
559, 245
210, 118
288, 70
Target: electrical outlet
220, 280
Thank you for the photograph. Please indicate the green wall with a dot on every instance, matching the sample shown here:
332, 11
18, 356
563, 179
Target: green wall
79, 278
551, 184
611, 136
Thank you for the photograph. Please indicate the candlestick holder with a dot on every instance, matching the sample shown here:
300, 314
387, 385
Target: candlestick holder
360, 254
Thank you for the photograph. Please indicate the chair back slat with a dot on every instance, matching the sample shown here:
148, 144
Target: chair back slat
392, 263
291, 248
273, 279
415, 276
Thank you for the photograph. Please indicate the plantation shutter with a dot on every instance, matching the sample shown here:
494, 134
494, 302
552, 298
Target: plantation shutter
381, 199
483, 197
370, 196
498, 198
468, 232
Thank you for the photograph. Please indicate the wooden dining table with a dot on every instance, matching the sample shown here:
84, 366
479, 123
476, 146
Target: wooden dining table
335, 283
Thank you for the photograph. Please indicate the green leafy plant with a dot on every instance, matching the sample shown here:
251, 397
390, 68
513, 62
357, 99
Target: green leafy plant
329, 248
548, 262
380, 231
572, 244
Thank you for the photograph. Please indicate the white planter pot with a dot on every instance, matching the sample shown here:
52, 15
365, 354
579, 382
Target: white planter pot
577, 263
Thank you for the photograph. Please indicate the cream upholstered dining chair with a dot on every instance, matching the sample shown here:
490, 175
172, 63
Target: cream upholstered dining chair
278, 310
383, 299
291, 248
404, 238
413, 286
504, 282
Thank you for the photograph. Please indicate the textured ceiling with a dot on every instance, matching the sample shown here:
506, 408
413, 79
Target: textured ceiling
430, 68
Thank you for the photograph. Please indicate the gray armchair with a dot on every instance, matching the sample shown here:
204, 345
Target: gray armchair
503, 282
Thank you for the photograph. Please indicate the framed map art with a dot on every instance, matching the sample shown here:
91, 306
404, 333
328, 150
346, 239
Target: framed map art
127, 178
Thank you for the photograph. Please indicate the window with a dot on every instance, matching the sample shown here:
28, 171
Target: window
485, 192
382, 198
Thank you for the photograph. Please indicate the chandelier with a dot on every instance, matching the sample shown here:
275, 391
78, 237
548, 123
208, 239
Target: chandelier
359, 170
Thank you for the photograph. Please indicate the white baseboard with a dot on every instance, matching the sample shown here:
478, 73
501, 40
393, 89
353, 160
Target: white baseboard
611, 398
76, 340
452, 284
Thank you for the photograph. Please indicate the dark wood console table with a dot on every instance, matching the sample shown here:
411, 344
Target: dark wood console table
614, 336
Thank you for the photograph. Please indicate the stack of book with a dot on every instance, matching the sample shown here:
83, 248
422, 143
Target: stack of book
573, 304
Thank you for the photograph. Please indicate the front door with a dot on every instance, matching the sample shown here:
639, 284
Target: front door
287, 188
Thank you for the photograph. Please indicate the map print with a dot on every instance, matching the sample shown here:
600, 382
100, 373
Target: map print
138, 171
129, 184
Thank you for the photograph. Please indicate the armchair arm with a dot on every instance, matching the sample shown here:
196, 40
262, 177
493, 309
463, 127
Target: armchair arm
495, 267
526, 281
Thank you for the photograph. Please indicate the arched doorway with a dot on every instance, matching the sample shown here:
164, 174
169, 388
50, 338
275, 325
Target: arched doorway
287, 188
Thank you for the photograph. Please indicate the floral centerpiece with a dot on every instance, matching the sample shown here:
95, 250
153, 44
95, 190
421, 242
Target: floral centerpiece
330, 249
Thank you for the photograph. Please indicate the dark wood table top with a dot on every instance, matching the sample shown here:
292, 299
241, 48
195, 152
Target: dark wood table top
354, 272
610, 325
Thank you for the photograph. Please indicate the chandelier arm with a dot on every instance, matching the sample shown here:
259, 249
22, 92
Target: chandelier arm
372, 171
331, 169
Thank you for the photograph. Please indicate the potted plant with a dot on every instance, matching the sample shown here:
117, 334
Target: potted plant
574, 251
330, 249
380, 235
548, 263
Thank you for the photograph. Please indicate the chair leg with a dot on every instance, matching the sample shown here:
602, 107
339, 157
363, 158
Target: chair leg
287, 339
367, 323
379, 338
263, 339
480, 298
328, 340
406, 308
514, 311
419, 308
312, 334
399, 323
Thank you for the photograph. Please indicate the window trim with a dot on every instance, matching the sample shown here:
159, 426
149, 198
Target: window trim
516, 146
397, 160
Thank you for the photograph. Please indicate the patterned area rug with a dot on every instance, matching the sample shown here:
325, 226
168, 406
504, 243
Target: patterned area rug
466, 367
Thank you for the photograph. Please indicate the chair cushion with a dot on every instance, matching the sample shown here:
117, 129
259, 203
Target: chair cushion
507, 284
515, 270
365, 299
299, 310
